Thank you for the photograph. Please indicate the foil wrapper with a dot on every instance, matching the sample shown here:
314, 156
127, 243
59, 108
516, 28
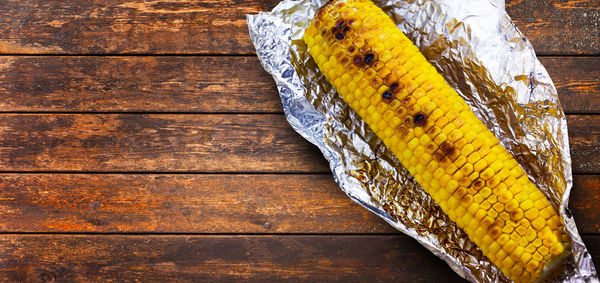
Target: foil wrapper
485, 58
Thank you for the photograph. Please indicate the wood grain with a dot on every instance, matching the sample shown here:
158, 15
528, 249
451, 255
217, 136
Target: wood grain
207, 26
200, 84
127, 26
584, 140
584, 197
577, 80
316, 258
133, 203
554, 27
135, 142
180, 204
136, 84
56, 258
191, 143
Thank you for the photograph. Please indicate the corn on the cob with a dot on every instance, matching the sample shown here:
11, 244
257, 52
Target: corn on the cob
380, 73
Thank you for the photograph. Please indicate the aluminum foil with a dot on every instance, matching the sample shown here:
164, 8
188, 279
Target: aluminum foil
477, 48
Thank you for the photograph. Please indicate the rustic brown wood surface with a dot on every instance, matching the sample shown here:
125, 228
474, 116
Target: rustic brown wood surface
165, 155
219, 27
223, 203
160, 258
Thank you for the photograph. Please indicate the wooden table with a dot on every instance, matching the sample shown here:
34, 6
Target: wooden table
143, 140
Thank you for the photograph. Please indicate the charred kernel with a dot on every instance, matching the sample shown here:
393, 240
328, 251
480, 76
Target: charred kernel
339, 36
420, 119
358, 60
387, 95
394, 86
438, 155
351, 49
345, 29
402, 129
339, 23
447, 148
430, 146
376, 82
369, 57
477, 184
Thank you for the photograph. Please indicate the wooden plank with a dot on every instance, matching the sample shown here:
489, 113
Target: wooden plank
200, 84
126, 84
584, 195
203, 26
180, 204
559, 26
331, 258
136, 142
35, 258
577, 82
152, 203
191, 143
584, 138
126, 26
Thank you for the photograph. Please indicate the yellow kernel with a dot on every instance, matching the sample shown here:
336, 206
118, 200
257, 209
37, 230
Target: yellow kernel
485, 192
547, 212
412, 144
467, 169
473, 159
486, 205
518, 252
557, 249
511, 205
460, 161
479, 165
531, 214
480, 214
526, 204
452, 185
516, 214
487, 221
505, 197
503, 239
532, 265
493, 248
516, 270
543, 250
498, 207
473, 208
538, 223
510, 246
467, 149
525, 257
495, 232
526, 277
487, 173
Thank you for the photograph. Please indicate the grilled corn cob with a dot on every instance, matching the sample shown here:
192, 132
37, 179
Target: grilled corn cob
382, 75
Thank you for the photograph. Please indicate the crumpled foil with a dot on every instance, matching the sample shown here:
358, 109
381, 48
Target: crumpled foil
477, 48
